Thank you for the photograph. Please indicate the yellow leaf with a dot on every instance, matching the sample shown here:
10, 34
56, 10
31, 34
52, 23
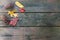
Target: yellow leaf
19, 4
12, 14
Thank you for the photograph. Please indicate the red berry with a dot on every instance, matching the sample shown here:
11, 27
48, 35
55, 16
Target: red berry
22, 10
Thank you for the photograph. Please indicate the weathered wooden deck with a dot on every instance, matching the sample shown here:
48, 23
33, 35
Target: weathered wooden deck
39, 17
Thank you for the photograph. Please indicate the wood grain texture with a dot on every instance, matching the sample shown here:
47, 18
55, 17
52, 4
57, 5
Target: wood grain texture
33, 19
